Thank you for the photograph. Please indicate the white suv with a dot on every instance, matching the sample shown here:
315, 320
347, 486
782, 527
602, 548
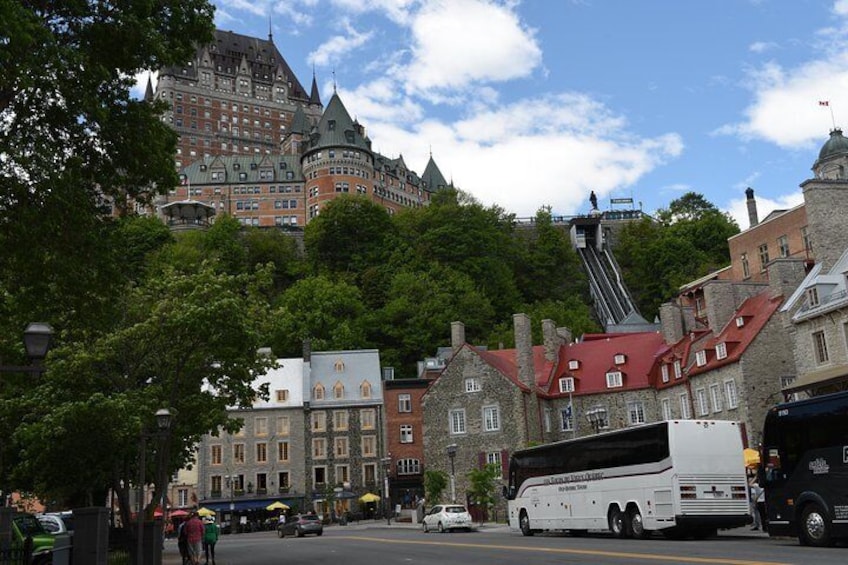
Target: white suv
446, 517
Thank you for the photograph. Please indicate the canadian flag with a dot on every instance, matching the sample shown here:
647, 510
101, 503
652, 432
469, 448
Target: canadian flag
824, 102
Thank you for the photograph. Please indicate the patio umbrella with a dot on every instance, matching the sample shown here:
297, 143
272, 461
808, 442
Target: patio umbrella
368, 497
205, 512
752, 458
277, 506
178, 513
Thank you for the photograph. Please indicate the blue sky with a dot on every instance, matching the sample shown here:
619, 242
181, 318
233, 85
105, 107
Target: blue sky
535, 103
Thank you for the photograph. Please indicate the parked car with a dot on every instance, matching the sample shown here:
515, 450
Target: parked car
301, 525
446, 517
25, 527
57, 523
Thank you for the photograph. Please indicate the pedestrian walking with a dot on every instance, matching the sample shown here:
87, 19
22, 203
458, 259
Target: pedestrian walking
194, 536
210, 538
182, 544
754, 493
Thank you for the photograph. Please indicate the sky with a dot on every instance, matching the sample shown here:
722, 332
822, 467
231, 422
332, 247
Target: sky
527, 104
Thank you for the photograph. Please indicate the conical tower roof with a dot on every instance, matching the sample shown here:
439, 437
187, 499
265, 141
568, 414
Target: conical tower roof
300, 124
336, 128
314, 96
433, 179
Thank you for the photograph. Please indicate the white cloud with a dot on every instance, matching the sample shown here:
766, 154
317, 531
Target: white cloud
335, 48
456, 43
762, 46
397, 11
738, 207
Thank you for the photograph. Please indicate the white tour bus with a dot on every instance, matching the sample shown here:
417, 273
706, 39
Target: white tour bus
680, 477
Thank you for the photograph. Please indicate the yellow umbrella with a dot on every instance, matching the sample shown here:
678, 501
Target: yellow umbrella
205, 512
752, 457
277, 506
368, 497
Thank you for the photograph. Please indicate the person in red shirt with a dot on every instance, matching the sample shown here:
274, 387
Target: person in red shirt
193, 529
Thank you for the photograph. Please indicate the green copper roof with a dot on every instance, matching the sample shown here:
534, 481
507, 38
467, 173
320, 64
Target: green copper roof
299, 122
432, 178
836, 145
336, 128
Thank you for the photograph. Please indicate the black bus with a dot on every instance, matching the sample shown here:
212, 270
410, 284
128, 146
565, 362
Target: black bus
804, 469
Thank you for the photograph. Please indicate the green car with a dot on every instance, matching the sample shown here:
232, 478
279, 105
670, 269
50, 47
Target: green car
25, 526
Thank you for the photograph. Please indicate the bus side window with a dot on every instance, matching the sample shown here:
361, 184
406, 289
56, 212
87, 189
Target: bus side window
772, 465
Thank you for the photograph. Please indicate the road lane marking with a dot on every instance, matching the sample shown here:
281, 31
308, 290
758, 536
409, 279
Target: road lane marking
592, 552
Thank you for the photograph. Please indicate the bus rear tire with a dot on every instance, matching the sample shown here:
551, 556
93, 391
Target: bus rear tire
524, 523
637, 526
814, 527
617, 523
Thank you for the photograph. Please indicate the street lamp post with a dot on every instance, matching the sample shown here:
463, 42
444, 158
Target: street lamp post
163, 423
387, 465
597, 416
452, 455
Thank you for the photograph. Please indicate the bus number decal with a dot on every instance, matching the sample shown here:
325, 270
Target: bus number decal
845, 453
819, 466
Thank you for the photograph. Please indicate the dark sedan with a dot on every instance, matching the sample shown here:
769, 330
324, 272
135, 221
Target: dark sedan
301, 525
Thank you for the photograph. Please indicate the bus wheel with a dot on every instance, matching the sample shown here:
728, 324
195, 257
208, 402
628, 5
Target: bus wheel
617, 523
524, 522
637, 527
815, 529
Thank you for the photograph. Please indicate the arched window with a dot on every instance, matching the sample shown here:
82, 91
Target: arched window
365, 389
339, 366
318, 392
338, 390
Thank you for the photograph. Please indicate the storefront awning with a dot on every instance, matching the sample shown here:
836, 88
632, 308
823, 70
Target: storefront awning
819, 378
243, 505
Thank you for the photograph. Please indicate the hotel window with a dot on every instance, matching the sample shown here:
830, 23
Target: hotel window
282, 395
491, 418
262, 452
404, 403
457, 421
260, 425
472, 385
636, 412
406, 433
820, 347
783, 245
684, 406
318, 392
664, 372
282, 425
340, 420
703, 406
701, 358
319, 421
566, 384
319, 448
338, 391
365, 390
764, 256
238, 453
746, 268
493, 458
282, 451
369, 446
342, 448
715, 396
730, 394
614, 379
666, 408
216, 455
721, 350
367, 418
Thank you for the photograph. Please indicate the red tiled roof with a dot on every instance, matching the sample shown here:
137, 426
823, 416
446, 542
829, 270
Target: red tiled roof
504, 360
596, 356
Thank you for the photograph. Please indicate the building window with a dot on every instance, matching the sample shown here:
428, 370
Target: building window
566, 384
182, 497
493, 458
404, 403
365, 390
491, 418
664, 372
730, 394
547, 419
408, 467
217, 483
573, 364
369, 446
472, 385
715, 396
282, 395
260, 425
262, 452
283, 480
367, 418
678, 370
340, 420
369, 474
666, 408
319, 421
805, 237
764, 256
338, 391
318, 392
341, 448
457, 421
282, 425
721, 350
216, 455
783, 245
703, 406
406, 433
746, 268
820, 347
636, 413
701, 358
813, 297
238, 453
282, 451
614, 379
566, 419
620, 359
319, 475
684, 406
319, 448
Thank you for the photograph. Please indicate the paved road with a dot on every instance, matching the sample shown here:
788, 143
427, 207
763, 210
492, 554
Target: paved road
374, 543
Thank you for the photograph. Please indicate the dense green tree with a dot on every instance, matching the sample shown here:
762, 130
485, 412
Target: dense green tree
482, 487
274, 247
571, 313
435, 483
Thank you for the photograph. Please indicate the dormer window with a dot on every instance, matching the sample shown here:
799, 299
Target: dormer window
721, 350
573, 364
339, 366
566, 384
813, 297
664, 372
365, 390
615, 379
331, 125
620, 359
701, 358
678, 370
740, 321
318, 392
338, 391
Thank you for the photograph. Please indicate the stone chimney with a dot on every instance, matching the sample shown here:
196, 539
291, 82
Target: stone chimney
565, 335
307, 350
524, 350
784, 276
753, 219
457, 335
672, 322
551, 339
723, 298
